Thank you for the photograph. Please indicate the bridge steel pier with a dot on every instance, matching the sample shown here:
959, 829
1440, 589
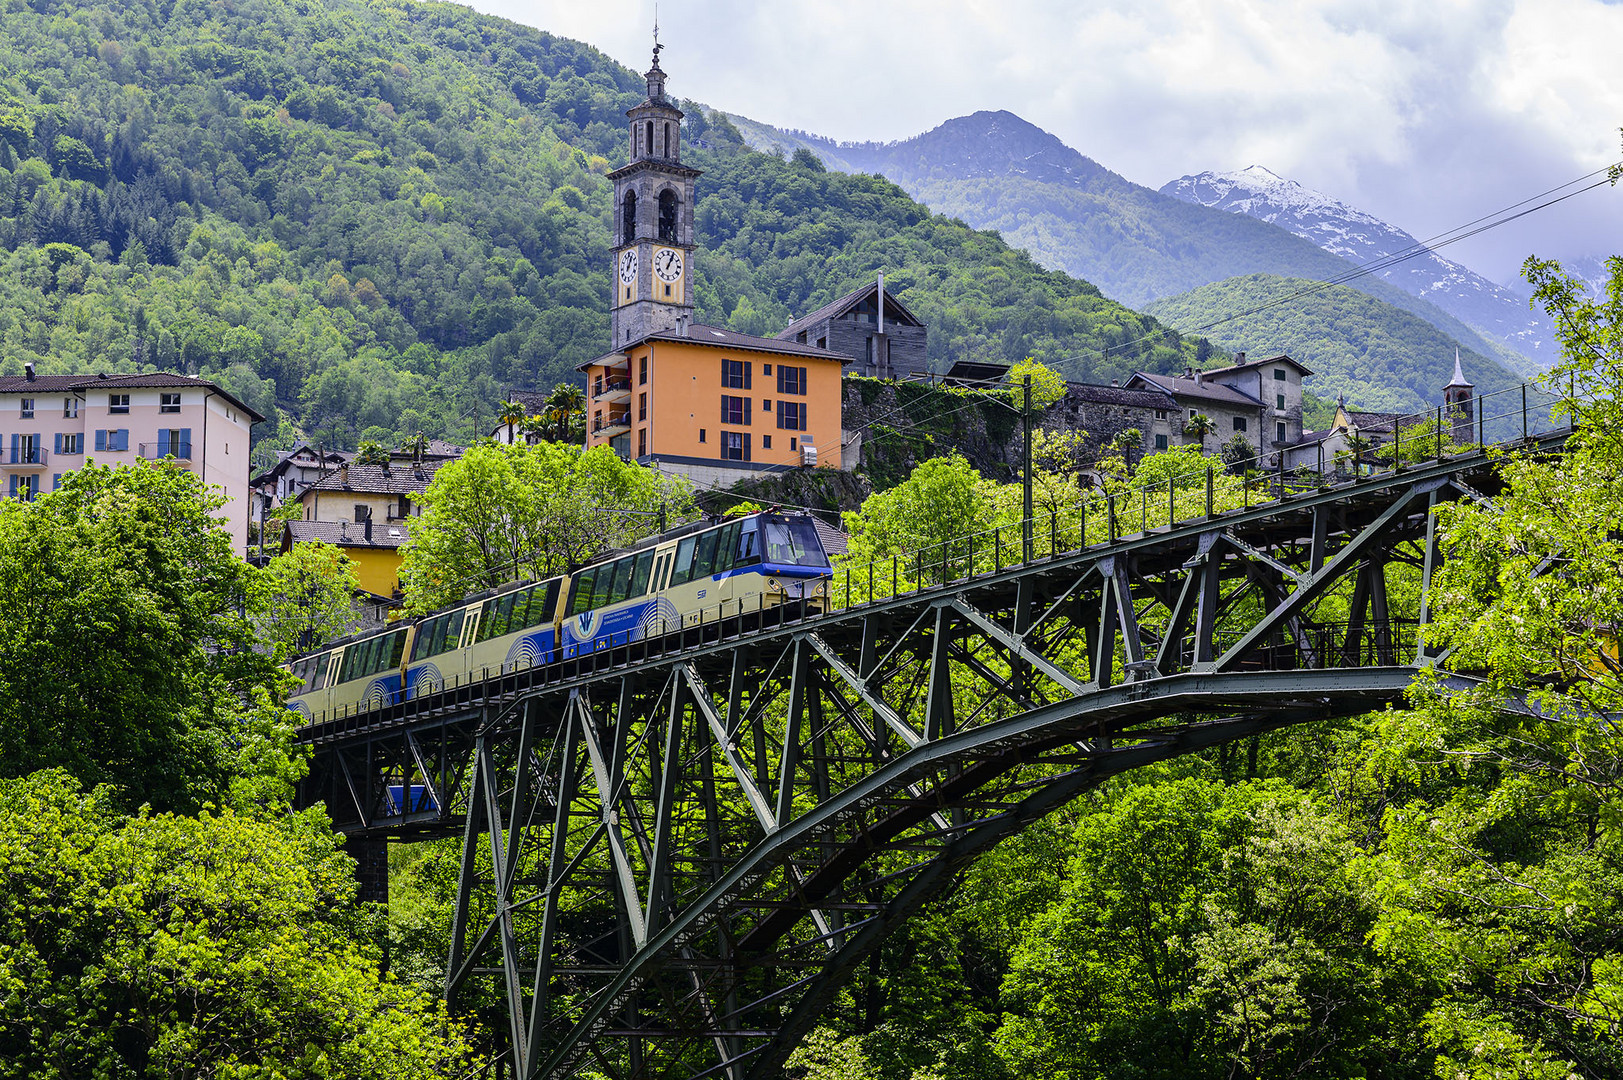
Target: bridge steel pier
675, 853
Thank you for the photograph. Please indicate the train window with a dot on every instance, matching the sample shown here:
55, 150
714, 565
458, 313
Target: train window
683, 572
502, 621
748, 553
580, 594
639, 573
622, 581
793, 542
726, 548
397, 648
705, 557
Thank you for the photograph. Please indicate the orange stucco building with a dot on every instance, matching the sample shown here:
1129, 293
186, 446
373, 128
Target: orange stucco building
702, 398
689, 398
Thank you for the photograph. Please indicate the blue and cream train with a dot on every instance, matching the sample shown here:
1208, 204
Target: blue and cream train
756, 562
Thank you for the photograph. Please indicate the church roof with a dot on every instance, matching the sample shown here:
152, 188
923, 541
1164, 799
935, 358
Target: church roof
894, 310
1459, 378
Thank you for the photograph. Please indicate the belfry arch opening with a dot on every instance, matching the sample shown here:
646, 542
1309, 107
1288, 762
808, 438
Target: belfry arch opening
667, 216
628, 218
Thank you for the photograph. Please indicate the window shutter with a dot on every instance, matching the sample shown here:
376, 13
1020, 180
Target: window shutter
746, 446
724, 408
746, 400
123, 439
16, 448
164, 449
59, 442
747, 365
101, 439
186, 443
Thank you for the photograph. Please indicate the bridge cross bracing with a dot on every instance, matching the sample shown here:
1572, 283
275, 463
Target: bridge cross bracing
676, 852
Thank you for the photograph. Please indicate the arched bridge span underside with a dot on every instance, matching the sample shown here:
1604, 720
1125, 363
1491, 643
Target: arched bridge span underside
675, 854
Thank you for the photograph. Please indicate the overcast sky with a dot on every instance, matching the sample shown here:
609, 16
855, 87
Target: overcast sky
1428, 115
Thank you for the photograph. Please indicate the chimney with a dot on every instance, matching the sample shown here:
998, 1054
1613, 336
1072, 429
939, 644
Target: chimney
1239, 358
1114, 382
881, 302
28, 371
1198, 378
343, 474
368, 529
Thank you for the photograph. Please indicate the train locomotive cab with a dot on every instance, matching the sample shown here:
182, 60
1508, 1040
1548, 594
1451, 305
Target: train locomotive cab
757, 562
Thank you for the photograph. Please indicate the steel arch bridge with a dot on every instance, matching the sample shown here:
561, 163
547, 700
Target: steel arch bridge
676, 852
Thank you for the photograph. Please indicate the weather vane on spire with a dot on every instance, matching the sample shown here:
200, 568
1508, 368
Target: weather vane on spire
657, 45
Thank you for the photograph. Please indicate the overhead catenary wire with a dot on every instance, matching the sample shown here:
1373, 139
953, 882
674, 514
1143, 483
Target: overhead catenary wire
1475, 227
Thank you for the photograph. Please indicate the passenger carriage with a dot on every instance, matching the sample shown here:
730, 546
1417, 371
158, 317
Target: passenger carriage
692, 575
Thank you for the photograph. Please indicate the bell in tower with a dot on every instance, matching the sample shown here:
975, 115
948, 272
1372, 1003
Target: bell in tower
653, 234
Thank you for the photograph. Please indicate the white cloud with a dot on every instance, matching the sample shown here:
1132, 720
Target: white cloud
1428, 115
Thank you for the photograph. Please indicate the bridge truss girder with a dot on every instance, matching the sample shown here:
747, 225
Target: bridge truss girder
675, 855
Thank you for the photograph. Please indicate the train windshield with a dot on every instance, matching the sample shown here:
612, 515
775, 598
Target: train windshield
792, 541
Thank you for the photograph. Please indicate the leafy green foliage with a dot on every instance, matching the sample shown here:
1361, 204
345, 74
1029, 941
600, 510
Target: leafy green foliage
124, 653
219, 945
304, 597
367, 219
502, 513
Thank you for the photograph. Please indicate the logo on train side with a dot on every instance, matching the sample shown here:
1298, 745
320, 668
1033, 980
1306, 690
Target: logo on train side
377, 693
427, 679
585, 623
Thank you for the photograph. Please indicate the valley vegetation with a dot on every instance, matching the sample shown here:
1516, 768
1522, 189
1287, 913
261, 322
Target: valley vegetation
368, 220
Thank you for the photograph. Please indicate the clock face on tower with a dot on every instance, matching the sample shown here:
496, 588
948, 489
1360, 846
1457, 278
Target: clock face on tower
628, 266
668, 264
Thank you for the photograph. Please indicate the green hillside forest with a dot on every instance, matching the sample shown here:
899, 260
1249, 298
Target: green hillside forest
1379, 356
369, 219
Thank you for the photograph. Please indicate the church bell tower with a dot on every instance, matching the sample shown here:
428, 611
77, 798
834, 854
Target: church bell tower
653, 221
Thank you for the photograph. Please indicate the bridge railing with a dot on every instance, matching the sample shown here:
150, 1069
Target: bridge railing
1103, 515
1119, 509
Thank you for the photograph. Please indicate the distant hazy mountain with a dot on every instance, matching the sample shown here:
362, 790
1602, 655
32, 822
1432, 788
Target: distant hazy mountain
1382, 358
996, 171
1363, 238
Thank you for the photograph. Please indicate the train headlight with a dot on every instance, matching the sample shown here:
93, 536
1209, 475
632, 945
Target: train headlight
774, 584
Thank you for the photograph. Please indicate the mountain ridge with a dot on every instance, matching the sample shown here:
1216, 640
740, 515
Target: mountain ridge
1364, 239
995, 170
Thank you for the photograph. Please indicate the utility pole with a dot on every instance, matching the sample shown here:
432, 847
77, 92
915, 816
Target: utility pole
1025, 469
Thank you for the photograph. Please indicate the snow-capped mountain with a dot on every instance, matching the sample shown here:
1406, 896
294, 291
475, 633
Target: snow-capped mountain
1363, 238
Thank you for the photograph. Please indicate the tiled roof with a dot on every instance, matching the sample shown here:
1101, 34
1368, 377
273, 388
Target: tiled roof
1374, 421
22, 384
1120, 395
1205, 389
285, 461
347, 533
395, 479
700, 334
1278, 358
845, 303
833, 540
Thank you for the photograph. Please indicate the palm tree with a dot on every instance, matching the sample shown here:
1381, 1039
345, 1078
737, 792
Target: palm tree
512, 414
372, 453
418, 446
534, 429
564, 403
1199, 426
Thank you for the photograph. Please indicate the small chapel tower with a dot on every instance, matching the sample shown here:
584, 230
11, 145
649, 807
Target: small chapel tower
1458, 404
653, 221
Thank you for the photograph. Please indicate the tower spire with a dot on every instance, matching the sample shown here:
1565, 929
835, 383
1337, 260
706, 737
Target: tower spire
1459, 378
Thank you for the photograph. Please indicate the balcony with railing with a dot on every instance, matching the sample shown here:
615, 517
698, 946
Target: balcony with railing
615, 423
157, 451
611, 390
24, 457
